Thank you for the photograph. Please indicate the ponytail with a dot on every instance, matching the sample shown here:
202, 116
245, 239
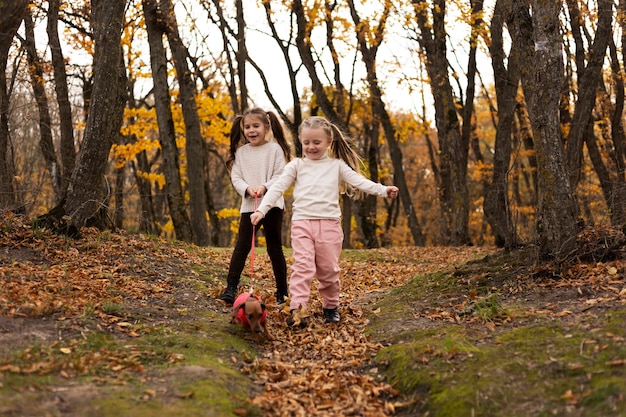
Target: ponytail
236, 140
279, 134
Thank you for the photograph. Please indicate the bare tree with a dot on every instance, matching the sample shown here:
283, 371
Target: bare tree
453, 147
496, 205
37, 81
11, 15
194, 141
368, 53
68, 149
167, 137
590, 77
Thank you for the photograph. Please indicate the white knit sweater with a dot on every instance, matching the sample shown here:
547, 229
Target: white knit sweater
316, 187
254, 166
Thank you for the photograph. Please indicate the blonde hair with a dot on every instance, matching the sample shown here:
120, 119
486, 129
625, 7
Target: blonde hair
339, 148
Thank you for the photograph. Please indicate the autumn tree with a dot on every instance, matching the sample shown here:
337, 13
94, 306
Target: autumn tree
85, 193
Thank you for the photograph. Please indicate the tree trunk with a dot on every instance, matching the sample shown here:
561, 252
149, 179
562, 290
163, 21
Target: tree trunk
296, 111
590, 77
242, 55
617, 202
45, 130
194, 140
454, 195
167, 136
11, 15
366, 206
68, 148
379, 111
496, 206
542, 80
105, 115
303, 44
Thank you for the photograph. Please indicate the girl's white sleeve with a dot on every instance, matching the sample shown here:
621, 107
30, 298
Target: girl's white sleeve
236, 177
350, 176
279, 187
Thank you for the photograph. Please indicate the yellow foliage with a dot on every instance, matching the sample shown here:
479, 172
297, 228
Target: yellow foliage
234, 226
228, 212
153, 177
214, 111
480, 171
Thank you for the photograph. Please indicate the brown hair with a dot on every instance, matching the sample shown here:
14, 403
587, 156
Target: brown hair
270, 120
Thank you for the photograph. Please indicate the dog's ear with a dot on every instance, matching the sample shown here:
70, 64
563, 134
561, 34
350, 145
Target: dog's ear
242, 306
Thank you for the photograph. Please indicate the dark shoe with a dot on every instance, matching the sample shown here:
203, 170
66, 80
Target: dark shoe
280, 298
292, 320
229, 295
331, 315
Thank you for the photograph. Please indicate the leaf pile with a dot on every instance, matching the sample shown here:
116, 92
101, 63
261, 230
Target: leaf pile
323, 369
44, 274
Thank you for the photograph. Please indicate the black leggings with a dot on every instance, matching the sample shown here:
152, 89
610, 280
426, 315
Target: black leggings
272, 228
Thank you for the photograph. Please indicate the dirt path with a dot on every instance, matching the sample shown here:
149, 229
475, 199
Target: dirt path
326, 369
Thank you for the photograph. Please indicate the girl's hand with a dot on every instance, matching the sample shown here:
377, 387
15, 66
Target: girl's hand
256, 217
260, 191
392, 191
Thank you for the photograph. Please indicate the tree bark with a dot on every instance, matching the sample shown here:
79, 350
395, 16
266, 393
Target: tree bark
590, 77
67, 148
11, 15
105, 115
242, 55
542, 80
194, 140
366, 206
496, 206
167, 137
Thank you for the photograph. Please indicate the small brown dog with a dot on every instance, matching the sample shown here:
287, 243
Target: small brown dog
250, 312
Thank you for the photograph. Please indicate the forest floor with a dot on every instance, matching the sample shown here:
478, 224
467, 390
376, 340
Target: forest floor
116, 324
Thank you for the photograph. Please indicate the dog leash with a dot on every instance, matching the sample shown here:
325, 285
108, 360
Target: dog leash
256, 197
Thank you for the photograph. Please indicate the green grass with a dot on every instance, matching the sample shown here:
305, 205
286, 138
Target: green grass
538, 366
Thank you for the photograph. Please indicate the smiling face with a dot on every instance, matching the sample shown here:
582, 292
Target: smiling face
314, 141
254, 129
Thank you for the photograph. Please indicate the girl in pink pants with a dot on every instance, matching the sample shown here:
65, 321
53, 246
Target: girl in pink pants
328, 166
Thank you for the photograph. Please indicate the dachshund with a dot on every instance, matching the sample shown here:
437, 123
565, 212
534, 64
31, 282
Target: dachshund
249, 311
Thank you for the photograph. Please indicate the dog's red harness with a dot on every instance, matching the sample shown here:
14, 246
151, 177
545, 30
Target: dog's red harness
240, 313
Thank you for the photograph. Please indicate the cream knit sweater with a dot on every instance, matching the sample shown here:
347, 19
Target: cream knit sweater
254, 166
316, 187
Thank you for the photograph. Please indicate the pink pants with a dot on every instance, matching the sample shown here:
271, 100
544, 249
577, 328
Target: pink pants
316, 248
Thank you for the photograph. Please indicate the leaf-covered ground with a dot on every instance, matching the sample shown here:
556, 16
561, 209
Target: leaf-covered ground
119, 324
